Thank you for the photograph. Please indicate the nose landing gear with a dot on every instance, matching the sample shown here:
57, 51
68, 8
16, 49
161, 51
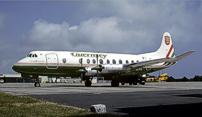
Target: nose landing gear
37, 84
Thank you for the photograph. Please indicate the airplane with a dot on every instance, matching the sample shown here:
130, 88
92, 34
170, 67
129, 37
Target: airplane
119, 68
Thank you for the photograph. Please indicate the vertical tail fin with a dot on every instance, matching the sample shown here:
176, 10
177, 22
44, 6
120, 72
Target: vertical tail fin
166, 49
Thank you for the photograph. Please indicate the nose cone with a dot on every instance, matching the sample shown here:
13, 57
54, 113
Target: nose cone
18, 66
15, 68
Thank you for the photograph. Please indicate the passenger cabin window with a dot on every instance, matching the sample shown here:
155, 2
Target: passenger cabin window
120, 61
94, 61
132, 61
88, 61
108, 62
127, 62
137, 61
101, 61
114, 61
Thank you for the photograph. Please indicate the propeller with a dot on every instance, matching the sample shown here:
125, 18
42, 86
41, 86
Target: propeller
81, 70
97, 65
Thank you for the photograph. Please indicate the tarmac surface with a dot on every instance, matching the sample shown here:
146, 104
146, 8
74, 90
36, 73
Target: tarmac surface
121, 99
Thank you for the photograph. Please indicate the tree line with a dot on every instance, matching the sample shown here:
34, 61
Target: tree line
184, 79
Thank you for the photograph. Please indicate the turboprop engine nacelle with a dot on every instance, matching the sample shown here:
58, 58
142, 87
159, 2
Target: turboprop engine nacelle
90, 72
112, 68
105, 69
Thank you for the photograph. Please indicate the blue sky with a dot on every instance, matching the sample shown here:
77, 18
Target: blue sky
106, 26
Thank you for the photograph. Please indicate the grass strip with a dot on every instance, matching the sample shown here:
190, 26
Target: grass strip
22, 106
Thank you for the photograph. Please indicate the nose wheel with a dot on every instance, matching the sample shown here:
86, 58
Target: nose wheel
37, 84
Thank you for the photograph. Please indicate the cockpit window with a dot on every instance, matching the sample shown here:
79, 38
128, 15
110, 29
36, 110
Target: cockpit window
32, 55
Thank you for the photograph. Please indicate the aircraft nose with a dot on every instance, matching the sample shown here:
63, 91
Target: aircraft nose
15, 68
18, 67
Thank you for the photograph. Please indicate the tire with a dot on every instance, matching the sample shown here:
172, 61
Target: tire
88, 83
134, 83
1, 80
122, 83
142, 82
115, 83
37, 84
130, 83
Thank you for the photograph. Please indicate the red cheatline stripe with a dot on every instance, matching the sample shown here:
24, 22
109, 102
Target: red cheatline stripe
164, 63
169, 53
23, 63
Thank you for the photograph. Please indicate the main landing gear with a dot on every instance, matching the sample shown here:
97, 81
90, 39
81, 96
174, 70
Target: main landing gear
88, 83
142, 82
115, 83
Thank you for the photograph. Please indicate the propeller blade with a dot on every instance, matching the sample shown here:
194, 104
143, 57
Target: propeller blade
81, 62
97, 65
97, 59
81, 77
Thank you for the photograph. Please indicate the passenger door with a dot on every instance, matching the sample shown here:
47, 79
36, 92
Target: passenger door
52, 61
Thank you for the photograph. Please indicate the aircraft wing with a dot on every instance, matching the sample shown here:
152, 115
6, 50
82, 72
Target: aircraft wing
156, 61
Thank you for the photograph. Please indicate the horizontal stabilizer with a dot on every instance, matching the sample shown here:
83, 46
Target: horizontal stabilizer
184, 55
151, 62
156, 61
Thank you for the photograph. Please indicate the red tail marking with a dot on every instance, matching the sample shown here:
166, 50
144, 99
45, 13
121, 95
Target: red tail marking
169, 53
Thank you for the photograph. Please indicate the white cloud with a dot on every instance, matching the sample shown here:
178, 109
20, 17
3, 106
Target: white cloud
156, 17
45, 35
132, 27
73, 27
94, 34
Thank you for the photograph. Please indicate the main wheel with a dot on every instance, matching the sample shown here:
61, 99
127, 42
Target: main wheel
134, 83
123, 83
88, 83
142, 82
130, 83
115, 83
